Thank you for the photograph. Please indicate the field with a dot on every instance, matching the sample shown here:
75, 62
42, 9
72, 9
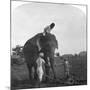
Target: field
78, 74
79, 68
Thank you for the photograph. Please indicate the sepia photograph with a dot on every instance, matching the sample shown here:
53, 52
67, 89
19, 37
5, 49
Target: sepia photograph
48, 44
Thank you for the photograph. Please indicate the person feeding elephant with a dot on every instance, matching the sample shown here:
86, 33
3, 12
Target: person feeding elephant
40, 64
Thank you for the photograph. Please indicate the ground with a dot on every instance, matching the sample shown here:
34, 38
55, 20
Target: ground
78, 71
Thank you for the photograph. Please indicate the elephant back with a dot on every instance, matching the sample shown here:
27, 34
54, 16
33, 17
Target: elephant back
30, 49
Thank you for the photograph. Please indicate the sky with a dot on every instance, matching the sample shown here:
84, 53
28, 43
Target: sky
29, 18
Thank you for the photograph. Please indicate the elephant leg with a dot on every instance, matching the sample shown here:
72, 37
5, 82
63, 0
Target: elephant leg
47, 68
30, 72
52, 66
35, 73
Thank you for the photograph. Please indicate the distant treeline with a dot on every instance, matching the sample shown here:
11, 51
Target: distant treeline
18, 50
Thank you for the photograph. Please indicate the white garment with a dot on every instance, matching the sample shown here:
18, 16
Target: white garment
40, 71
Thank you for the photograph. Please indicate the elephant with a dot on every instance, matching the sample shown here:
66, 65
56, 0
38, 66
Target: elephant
47, 43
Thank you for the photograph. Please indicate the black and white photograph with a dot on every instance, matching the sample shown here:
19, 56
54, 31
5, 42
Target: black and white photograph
48, 44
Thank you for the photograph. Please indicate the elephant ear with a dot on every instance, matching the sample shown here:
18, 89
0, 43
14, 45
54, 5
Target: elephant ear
53, 42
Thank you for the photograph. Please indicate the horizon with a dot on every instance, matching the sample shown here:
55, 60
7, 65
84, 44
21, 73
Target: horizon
59, 52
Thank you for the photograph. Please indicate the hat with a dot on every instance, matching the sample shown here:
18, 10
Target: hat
52, 25
49, 27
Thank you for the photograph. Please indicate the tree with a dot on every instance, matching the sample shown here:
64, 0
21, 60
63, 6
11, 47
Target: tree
18, 50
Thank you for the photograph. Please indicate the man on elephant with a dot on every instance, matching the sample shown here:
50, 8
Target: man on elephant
48, 44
